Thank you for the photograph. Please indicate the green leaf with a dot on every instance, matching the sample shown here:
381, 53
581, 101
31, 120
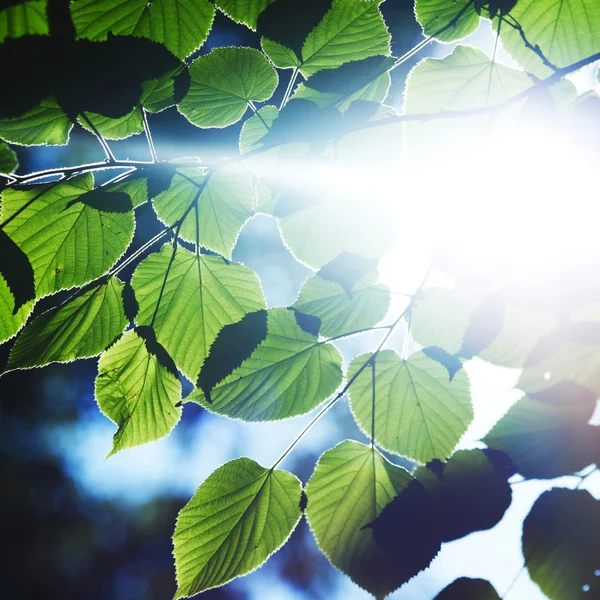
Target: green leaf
223, 83
243, 11
193, 297
351, 30
565, 30
46, 124
11, 322
224, 205
23, 18
67, 242
137, 389
80, 328
419, 413
237, 518
560, 543
116, 129
180, 25
256, 128
465, 587
350, 486
161, 93
547, 435
279, 55
8, 160
135, 187
342, 311
447, 20
290, 373
469, 492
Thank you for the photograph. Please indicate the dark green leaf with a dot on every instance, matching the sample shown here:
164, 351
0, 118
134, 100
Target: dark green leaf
8, 160
17, 272
465, 588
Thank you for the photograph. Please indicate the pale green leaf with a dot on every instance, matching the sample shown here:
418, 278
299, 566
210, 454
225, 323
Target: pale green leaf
565, 30
224, 205
447, 20
290, 373
560, 543
419, 412
115, 129
8, 160
11, 323
256, 128
237, 518
46, 124
80, 328
341, 311
223, 83
243, 11
349, 488
180, 25
350, 30
280, 56
201, 294
137, 392
67, 242
24, 18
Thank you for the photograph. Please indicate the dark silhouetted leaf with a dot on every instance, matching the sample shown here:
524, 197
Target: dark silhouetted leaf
452, 363
465, 588
100, 199
17, 272
347, 269
560, 543
232, 346
484, 328
130, 304
306, 322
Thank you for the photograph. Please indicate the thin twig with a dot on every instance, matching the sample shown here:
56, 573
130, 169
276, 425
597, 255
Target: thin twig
538, 51
289, 89
149, 136
109, 155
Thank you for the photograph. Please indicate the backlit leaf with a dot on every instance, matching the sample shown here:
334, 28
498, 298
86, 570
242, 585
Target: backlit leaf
8, 160
116, 129
22, 18
290, 373
80, 328
193, 298
138, 391
447, 20
243, 11
242, 511
419, 413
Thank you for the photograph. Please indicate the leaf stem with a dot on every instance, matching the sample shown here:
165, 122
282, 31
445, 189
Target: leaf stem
149, 136
289, 88
109, 155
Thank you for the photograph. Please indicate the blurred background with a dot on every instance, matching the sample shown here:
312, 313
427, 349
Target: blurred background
75, 525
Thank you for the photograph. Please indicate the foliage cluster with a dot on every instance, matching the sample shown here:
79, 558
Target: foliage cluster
189, 311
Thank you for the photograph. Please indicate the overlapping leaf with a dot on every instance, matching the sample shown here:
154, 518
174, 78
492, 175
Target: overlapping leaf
116, 129
288, 374
447, 20
223, 83
349, 488
189, 298
419, 413
237, 518
560, 543
80, 328
181, 25
137, 388
68, 242
225, 203
8, 160
243, 11
22, 18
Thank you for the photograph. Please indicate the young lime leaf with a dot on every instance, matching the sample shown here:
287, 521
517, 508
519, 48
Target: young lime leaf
223, 83
560, 543
137, 389
468, 493
189, 298
350, 31
243, 511
224, 205
11, 322
447, 20
23, 18
80, 328
180, 25
351, 485
342, 309
419, 412
465, 587
17, 272
44, 124
115, 129
557, 421
244, 11
565, 32
8, 160
68, 243
288, 374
